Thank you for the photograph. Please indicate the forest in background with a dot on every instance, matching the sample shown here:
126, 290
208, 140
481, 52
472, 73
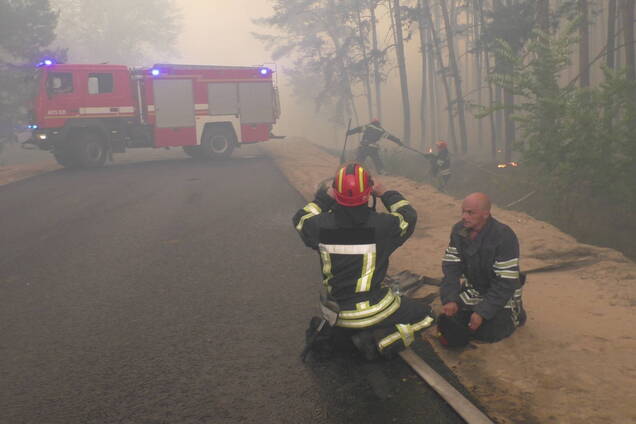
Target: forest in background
550, 84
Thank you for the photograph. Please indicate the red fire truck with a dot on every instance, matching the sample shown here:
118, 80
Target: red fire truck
84, 113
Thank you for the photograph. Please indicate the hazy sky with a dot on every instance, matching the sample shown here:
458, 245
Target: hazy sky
218, 32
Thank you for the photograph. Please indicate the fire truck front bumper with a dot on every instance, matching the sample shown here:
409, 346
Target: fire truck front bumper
43, 139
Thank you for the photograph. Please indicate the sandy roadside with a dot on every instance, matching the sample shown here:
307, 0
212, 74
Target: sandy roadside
574, 361
13, 173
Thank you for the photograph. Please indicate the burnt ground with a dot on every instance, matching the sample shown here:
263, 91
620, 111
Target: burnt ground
174, 291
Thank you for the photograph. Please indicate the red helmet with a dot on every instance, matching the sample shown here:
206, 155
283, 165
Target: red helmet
441, 145
352, 185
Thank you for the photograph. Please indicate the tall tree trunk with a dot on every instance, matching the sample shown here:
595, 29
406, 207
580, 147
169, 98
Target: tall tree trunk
499, 113
584, 44
432, 88
399, 50
611, 35
442, 72
478, 65
543, 15
509, 103
491, 116
628, 36
334, 33
423, 96
377, 77
508, 99
458, 82
365, 60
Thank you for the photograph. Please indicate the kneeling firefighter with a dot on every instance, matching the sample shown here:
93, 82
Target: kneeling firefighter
354, 243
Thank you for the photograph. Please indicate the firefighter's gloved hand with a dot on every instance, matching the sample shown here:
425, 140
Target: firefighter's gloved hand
323, 197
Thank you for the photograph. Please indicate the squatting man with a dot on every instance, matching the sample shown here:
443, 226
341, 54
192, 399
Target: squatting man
354, 243
481, 288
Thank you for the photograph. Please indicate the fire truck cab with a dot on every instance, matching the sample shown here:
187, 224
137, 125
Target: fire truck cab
84, 113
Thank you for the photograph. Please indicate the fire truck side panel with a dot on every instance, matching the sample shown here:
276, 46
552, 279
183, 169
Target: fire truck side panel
253, 133
257, 102
223, 98
174, 110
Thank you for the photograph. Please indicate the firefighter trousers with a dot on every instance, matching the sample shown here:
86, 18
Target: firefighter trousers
502, 325
391, 335
371, 151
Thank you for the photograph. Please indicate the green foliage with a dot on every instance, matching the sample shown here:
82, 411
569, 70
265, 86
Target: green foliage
580, 141
27, 28
325, 42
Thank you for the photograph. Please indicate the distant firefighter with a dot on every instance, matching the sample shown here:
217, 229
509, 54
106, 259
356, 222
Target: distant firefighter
371, 134
440, 165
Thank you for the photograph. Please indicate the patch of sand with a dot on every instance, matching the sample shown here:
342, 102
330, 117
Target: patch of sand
13, 173
575, 359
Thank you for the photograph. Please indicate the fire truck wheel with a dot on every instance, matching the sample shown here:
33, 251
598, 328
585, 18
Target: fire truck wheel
218, 142
192, 151
89, 149
65, 158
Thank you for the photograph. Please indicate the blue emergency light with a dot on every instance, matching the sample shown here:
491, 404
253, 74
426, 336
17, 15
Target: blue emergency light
264, 71
155, 72
46, 62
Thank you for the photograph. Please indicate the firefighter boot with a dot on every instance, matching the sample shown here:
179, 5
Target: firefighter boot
318, 339
365, 342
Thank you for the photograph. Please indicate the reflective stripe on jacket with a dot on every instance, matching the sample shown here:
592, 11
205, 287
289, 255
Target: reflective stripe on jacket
354, 256
490, 264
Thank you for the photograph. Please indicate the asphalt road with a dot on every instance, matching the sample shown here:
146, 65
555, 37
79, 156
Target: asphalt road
173, 291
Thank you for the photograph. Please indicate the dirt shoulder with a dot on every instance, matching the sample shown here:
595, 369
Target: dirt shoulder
13, 173
574, 359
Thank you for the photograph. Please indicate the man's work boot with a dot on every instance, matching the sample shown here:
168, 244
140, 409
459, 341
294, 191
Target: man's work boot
365, 343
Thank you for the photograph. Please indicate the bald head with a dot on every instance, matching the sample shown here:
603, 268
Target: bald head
478, 201
475, 211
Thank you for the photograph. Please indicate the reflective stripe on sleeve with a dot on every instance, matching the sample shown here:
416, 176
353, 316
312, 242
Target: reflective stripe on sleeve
511, 275
465, 297
312, 209
403, 224
450, 258
511, 263
397, 205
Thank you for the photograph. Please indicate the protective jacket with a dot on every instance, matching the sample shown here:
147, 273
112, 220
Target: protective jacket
490, 266
372, 133
354, 244
440, 163
443, 162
